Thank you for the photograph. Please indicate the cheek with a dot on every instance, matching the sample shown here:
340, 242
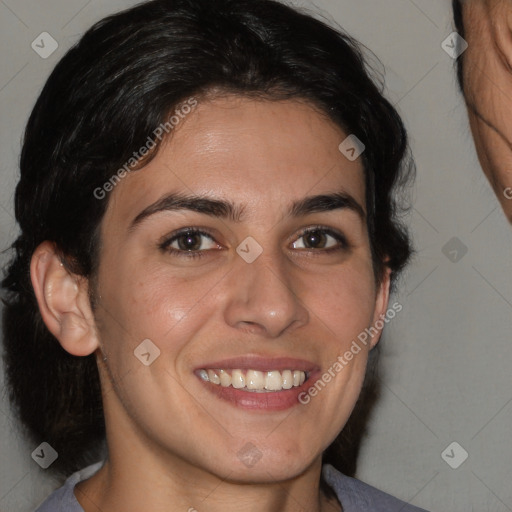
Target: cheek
151, 300
344, 300
148, 301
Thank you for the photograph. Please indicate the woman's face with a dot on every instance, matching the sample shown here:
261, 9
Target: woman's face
266, 287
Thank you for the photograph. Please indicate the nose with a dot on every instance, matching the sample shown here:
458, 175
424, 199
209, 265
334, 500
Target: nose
263, 298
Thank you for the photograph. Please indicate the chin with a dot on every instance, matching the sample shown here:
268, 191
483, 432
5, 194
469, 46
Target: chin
268, 465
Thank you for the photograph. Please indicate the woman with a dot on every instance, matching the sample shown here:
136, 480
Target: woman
209, 234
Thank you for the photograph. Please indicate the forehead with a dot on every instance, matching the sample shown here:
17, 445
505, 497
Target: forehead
264, 154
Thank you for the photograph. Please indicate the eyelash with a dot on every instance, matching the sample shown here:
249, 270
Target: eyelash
164, 246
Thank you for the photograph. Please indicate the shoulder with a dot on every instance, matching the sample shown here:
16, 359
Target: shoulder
63, 499
356, 496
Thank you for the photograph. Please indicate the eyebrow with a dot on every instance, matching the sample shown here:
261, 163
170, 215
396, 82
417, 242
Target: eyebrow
227, 210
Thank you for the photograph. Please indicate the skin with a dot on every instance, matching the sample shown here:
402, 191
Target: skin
165, 431
487, 78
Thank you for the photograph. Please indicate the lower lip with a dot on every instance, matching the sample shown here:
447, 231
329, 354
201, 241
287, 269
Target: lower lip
270, 401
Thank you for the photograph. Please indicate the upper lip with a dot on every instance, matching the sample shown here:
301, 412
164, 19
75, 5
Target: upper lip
263, 364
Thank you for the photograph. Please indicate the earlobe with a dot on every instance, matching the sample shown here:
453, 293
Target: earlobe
63, 302
381, 306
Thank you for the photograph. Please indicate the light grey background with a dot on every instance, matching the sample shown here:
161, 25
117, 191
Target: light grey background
446, 356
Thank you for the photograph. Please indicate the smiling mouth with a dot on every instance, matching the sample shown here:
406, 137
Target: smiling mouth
254, 380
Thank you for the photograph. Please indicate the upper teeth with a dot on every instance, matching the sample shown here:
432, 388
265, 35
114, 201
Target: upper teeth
255, 380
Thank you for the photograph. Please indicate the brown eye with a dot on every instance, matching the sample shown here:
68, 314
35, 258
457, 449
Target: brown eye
189, 243
322, 239
315, 239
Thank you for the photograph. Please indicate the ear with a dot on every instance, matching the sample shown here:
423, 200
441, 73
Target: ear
63, 301
381, 306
